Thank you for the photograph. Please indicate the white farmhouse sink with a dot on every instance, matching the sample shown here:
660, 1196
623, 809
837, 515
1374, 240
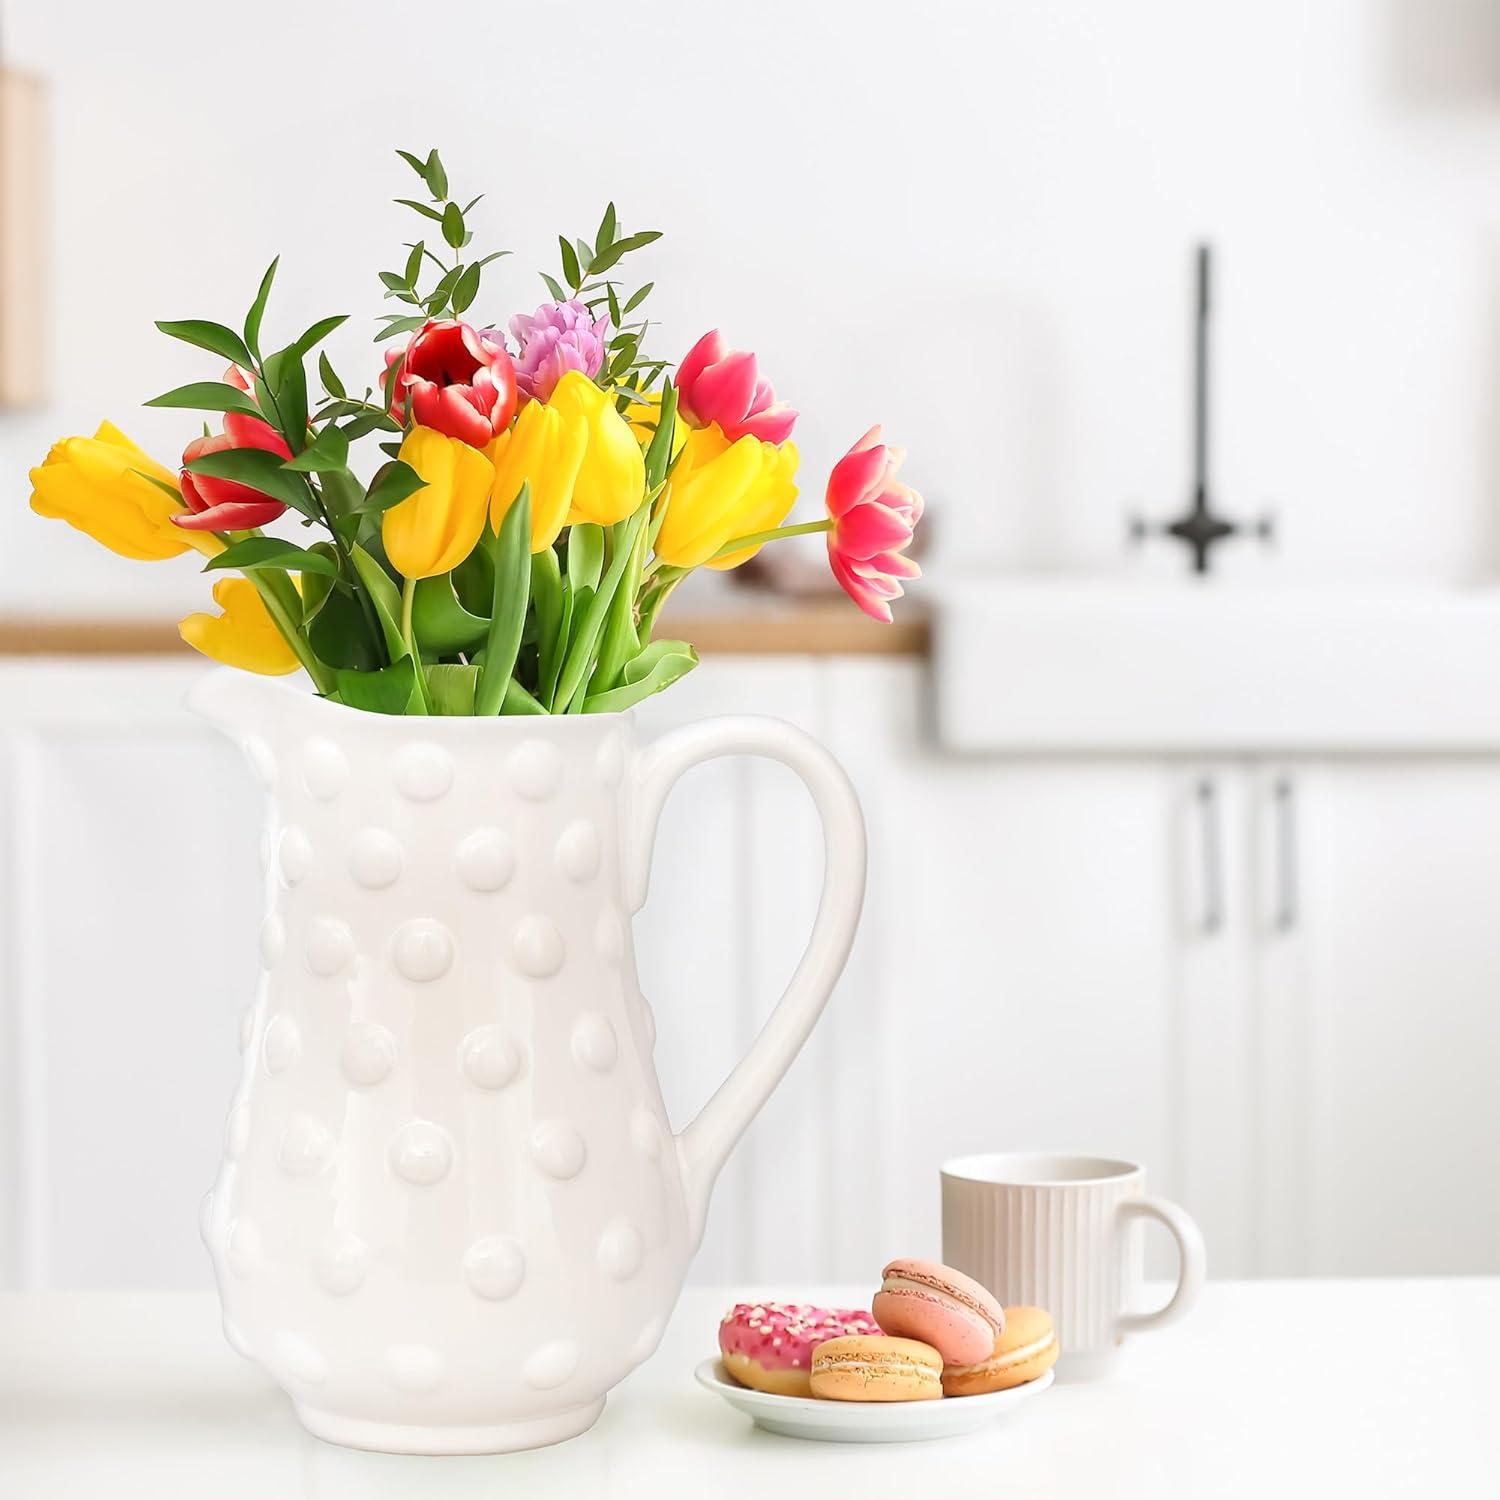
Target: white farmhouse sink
1026, 667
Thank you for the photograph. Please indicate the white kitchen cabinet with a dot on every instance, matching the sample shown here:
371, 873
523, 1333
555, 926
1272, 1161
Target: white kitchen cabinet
1379, 1026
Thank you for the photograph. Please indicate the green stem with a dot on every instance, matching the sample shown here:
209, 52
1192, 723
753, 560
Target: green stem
290, 631
776, 534
408, 598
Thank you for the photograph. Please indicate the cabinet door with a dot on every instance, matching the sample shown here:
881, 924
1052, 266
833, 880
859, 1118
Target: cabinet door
1380, 1022
1012, 986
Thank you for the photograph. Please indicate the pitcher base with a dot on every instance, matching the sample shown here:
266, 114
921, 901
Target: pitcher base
499, 1437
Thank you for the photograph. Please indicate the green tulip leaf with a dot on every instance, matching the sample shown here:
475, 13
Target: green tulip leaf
271, 552
512, 590
385, 596
657, 667
450, 688
390, 690
579, 662
208, 395
585, 555
441, 623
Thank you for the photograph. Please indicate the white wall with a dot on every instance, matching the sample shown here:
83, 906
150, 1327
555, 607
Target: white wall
971, 221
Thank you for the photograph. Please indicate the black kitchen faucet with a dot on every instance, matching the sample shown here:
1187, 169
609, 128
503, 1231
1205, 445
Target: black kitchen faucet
1201, 530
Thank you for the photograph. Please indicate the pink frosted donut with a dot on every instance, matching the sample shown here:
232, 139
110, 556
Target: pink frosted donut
768, 1345
921, 1299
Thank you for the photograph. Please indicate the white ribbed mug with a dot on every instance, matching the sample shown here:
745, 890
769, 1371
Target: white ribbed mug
1059, 1232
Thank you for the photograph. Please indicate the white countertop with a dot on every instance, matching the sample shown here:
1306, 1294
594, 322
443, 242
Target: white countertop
1369, 1388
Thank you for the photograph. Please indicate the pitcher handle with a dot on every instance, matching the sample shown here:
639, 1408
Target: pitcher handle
704, 1146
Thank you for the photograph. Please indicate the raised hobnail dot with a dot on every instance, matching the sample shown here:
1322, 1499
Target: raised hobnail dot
594, 1044
535, 769
281, 1045
341, 1263
495, 1267
294, 855
538, 946
486, 859
423, 771
325, 769
578, 851
489, 1057
422, 950
368, 1053
306, 1147
621, 1250
421, 1153
272, 940
645, 1133
557, 1148
330, 946
375, 859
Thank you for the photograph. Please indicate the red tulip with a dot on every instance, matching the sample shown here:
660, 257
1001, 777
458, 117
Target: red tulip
460, 379
873, 519
226, 504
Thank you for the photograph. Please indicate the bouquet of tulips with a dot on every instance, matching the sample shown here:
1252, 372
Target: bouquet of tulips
539, 500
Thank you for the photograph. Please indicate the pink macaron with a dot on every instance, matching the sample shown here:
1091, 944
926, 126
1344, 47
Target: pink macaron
921, 1299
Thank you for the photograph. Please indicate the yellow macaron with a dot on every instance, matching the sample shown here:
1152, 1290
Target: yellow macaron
871, 1367
1028, 1348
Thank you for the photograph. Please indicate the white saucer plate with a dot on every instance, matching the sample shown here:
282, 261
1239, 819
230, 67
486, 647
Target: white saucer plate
865, 1421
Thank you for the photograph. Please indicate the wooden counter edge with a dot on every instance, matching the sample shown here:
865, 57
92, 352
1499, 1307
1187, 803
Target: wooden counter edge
807, 631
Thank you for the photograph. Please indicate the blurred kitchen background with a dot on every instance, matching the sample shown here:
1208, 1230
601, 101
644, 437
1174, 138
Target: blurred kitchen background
1204, 872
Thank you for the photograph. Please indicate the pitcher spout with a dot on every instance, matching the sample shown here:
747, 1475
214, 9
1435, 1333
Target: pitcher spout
234, 701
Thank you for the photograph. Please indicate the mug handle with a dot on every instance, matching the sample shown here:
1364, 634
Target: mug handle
705, 1144
1192, 1261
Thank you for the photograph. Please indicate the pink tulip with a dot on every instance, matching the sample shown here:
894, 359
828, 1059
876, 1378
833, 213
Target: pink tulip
226, 504
873, 519
460, 379
556, 338
718, 384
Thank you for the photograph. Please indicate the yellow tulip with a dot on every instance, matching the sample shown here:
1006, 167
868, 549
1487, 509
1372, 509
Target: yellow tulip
722, 490
243, 635
643, 417
579, 455
96, 485
434, 529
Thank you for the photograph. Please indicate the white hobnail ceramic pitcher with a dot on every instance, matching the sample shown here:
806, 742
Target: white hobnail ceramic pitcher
451, 1213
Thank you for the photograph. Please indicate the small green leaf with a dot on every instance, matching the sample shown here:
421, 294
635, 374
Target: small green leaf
317, 586
288, 382
660, 665
426, 210
659, 453
331, 382
467, 288
558, 295
258, 308
436, 177
609, 257
400, 325
453, 225
317, 333
329, 450
606, 235
414, 162
637, 297
450, 688
208, 395
214, 337
414, 263
271, 552
392, 483
615, 315
391, 690
569, 264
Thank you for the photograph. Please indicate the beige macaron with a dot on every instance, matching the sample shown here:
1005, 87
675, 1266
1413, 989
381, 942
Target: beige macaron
1027, 1349
871, 1367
